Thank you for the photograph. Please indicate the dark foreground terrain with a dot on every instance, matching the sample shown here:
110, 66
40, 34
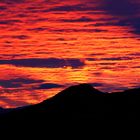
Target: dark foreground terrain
81, 103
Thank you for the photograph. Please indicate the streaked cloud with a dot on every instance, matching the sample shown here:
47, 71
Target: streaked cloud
18, 82
12, 1
49, 63
9, 22
49, 86
82, 19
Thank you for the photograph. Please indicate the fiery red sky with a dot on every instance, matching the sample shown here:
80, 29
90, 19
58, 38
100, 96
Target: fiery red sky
48, 45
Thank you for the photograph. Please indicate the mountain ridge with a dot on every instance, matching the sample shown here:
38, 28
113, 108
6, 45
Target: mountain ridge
79, 102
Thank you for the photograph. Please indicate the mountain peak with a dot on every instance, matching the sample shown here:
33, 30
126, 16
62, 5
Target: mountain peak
81, 88
80, 91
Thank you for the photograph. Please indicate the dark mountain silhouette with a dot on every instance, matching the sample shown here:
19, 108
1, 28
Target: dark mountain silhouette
76, 103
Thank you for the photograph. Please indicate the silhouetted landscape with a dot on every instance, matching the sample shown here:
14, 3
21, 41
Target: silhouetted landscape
48, 48
48, 45
80, 102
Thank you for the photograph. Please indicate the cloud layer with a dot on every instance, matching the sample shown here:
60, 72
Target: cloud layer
48, 63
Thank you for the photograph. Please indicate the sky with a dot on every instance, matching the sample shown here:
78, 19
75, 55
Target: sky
48, 45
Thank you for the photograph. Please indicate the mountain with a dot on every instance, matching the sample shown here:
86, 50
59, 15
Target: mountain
76, 103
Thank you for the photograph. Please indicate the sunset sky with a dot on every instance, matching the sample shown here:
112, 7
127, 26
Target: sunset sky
48, 45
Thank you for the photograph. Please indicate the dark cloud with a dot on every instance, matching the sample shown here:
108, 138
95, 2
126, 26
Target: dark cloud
97, 54
65, 8
135, 54
7, 22
96, 84
40, 19
127, 10
22, 37
109, 59
91, 59
82, 19
39, 29
69, 8
133, 23
117, 58
22, 15
18, 82
120, 7
135, 67
34, 8
99, 30
49, 86
90, 30
13, 55
97, 73
50, 62
107, 63
12, 1
112, 23
3, 8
